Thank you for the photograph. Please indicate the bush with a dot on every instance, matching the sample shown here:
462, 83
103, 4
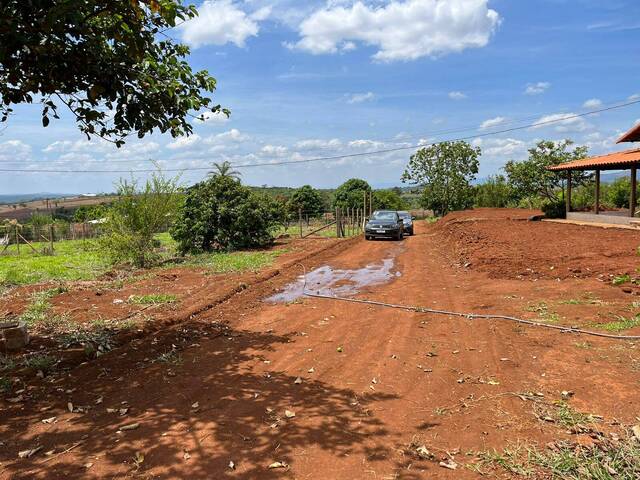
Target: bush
351, 193
494, 192
554, 210
388, 200
136, 216
618, 192
221, 214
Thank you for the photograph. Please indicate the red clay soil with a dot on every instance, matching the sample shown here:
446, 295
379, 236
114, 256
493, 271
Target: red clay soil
504, 244
337, 390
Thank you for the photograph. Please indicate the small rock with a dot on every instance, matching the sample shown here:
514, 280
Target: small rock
278, 465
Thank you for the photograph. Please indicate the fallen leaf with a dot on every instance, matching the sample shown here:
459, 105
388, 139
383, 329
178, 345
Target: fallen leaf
88, 465
123, 411
99, 401
278, 465
70, 406
339, 349
289, 414
195, 405
15, 399
29, 453
232, 465
311, 370
131, 426
298, 381
450, 464
636, 431
49, 420
186, 455
423, 452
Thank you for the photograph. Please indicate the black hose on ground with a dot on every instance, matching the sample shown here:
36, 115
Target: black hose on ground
470, 316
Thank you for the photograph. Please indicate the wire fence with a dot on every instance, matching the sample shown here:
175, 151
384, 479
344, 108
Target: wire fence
16, 238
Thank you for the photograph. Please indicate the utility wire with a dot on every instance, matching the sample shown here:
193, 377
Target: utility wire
564, 118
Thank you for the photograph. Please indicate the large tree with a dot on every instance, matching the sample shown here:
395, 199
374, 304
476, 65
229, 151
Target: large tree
351, 193
221, 214
445, 171
306, 199
530, 178
109, 62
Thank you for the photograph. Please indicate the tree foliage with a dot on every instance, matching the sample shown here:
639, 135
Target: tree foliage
388, 200
137, 215
494, 192
221, 214
531, 177
105, 62
445, 171
351, 193
306, 199
224, 169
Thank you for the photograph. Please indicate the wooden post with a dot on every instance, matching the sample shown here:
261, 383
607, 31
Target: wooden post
51, 237
17, 240
338, 220
364, 203
634, 185
568, 198
597, 192
370, 202
300, 221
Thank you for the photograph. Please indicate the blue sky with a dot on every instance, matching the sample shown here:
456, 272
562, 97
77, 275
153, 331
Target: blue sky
324, 78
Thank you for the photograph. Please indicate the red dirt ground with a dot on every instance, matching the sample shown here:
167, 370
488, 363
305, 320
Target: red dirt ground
374, 382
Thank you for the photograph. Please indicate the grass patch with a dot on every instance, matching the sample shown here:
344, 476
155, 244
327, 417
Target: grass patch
621, 279
236, 261
5, 385
73, 260
171, 357
153, 299
39, 362
38, 310
607, 459
586, 299
544, 314
621, 324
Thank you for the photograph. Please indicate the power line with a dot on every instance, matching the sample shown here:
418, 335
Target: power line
562, 118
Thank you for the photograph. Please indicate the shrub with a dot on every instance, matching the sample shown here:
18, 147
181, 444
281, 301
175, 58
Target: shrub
221, 214
307, 199
494, 192
351, 193
137, 215
554, 210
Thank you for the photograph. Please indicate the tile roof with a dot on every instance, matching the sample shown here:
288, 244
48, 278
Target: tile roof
632, 135
612, 161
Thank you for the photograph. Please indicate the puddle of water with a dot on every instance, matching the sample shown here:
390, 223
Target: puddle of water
326, 280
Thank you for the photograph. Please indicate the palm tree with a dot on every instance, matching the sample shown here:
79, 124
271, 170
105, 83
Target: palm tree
224, 169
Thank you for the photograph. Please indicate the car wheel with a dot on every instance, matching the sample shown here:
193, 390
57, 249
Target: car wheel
367, 237
400, 235
411, 232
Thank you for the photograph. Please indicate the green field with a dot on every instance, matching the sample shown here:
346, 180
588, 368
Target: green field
85, 260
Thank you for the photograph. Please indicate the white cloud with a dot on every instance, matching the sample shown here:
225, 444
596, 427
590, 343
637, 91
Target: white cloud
185, 142
274, 150
361, 97
233, 135
562, 122
492, 122
592, 103
501, 147
400, 30
537, 88
457, 96
222, 22
211, 117
93, 146
634, 97
15, 150
318, 144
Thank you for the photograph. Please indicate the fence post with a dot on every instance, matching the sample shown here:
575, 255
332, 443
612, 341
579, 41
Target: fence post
338, 222
51, 237
17, 240
300, 221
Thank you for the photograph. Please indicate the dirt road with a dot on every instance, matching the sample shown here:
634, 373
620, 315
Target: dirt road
321, 389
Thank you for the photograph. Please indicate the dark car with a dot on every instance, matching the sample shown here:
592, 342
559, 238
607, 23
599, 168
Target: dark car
407, 219
384, 224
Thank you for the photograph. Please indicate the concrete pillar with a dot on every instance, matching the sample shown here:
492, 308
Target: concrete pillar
597, 192
633, 201
568, 197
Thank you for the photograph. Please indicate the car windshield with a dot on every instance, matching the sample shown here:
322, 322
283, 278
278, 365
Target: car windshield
404, 215
385, 216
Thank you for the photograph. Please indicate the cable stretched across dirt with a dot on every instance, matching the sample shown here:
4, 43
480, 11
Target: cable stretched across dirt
470, 316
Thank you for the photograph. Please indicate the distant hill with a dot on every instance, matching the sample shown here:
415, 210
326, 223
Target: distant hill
28, 197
